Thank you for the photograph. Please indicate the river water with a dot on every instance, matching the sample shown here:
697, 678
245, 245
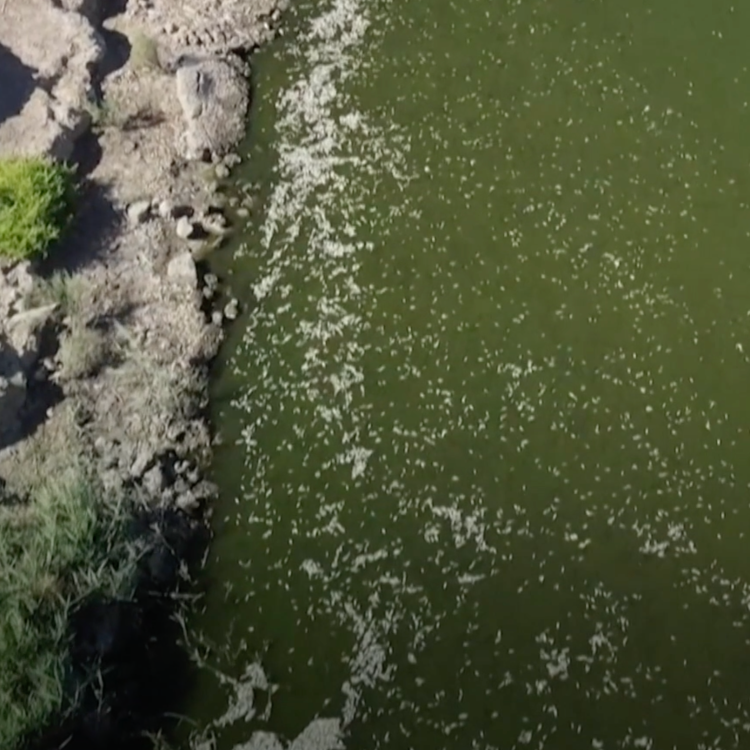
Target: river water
486, 454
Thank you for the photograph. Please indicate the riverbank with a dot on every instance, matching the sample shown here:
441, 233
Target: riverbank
106, 343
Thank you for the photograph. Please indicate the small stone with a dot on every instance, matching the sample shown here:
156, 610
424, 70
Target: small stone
243, 212
222, 171
185, 228
181, 467
208, 293
232, 309
165, 209
154, 481
217, 317
205, 490
139, 466
187, 502
232, 160
211, 280
139, 211
181, 270
215, 224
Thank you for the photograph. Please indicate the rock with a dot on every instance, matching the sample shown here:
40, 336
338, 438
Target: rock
232, 309
205, 490
216, 224
46, 66
181, 270
185, 229
217, 317
214, 97
25, 333
232, 159
187, 502
139, 212
243, 212
222, 171
165, 210
141, 463
211, 280
154, 480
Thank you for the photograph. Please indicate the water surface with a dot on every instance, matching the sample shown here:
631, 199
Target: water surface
485, 464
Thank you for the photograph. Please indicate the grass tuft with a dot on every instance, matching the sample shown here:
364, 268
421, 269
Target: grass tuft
82, 352
36, 204
70, 293
56, 549
144, 52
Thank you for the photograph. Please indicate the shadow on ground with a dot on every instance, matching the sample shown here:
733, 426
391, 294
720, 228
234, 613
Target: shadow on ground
17, 83
93, 228
128, 667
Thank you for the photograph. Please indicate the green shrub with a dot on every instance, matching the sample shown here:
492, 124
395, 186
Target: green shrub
36, 202
54, 551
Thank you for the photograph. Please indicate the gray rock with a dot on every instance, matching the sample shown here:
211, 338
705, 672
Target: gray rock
243, 212
24, 333
222, 171
141, 463
187, 502
216, 224
205, 490
232, 309
181, 270
217, 317
154, 481
185, 228
213, 94
211, 281
139, 212
60, 50
165, 209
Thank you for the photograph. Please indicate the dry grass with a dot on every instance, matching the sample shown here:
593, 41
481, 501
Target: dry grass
83, 351
144, 52
57, 548
71, 293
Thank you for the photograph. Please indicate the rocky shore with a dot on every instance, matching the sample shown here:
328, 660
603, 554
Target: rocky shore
105, 344
148, 98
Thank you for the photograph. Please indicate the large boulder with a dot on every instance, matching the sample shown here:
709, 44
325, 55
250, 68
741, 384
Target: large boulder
213, 93
48, 56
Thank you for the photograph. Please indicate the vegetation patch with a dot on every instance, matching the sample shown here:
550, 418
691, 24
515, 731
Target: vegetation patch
57, 548
36, 204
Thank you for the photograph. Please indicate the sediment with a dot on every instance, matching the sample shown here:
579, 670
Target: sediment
148, 98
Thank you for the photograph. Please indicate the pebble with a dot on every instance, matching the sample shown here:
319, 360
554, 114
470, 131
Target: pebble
139, 211
232, 309
185, 228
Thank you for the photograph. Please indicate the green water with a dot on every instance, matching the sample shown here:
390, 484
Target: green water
485, 467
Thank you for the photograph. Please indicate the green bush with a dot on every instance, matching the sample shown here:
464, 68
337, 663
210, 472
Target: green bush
55, 550
36, 202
